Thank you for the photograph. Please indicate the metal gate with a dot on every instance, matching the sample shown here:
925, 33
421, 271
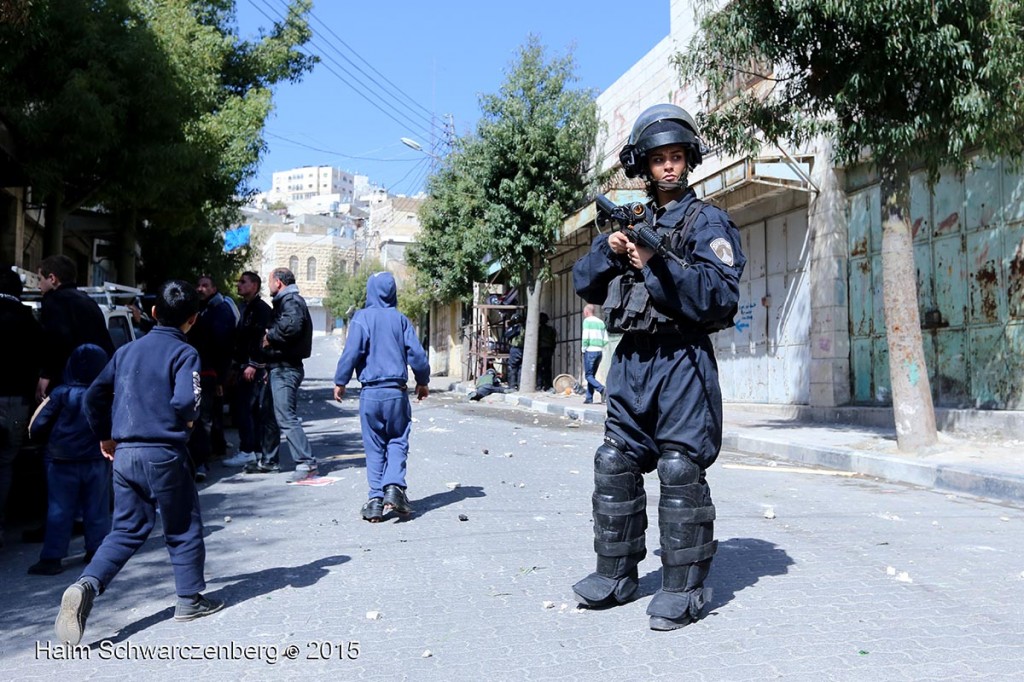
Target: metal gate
969, 256
766, 357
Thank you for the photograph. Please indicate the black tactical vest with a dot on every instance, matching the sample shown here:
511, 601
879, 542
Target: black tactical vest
628, 306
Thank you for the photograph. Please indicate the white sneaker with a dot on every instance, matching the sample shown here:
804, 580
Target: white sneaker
239, 460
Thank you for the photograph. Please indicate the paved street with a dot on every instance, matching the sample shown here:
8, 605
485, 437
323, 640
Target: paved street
851, 580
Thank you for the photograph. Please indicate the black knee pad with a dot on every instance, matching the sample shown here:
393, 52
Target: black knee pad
620, 511
675, 468
686, 517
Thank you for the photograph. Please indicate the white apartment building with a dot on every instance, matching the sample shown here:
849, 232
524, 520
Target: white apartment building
299, 184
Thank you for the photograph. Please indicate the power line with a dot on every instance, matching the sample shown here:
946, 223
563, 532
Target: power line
407, 99
361, 89
396, 184
332, 152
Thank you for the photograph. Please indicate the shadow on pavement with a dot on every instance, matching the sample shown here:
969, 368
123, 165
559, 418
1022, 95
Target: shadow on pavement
437, 500
738, 564
244, 586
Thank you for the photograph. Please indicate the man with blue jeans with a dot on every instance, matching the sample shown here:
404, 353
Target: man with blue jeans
595, 338
288, 341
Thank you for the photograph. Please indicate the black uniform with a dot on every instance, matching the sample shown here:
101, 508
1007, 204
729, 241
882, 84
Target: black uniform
664, 402
255, 414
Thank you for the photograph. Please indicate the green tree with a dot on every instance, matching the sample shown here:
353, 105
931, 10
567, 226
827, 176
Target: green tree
509, 188
925, 82
346, 291
538, 134
153, 110
450, 251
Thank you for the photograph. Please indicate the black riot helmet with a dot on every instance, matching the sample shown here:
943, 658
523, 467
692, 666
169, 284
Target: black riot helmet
657, 126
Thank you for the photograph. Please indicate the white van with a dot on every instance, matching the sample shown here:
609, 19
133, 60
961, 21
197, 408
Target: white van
112, 299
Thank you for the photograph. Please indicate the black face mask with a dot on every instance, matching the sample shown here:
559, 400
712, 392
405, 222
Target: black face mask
674, 185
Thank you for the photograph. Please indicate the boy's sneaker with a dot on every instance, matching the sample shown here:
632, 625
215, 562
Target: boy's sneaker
202, 471
261, 468
203, 606
373, 510
46, 567
395, 499
239, 459
75, 606
301, 475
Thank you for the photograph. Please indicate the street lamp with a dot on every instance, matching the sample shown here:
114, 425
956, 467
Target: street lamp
413, 144
408, 142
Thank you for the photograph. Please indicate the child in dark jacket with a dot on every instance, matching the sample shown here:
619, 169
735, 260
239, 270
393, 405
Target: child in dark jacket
380, 347
77, 475
142, 407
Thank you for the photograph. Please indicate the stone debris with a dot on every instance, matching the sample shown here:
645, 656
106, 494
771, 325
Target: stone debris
373, 615
889, 516
427, 653
486, 451
769, 513
522, 485
548, 604
522, 442
904, 577
463, 517
227, 519
453, 485
1004, 518
573, 471
506, 454
889, 570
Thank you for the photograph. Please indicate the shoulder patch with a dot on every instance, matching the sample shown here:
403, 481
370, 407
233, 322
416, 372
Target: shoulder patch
723, 249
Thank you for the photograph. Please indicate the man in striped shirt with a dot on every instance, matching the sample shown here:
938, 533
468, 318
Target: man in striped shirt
594, 340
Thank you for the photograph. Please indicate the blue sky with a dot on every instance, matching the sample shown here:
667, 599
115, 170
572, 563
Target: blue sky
419, 61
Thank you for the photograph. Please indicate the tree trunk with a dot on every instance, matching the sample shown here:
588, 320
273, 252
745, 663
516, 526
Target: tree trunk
53, 230
528, 377
911, 391
127, 237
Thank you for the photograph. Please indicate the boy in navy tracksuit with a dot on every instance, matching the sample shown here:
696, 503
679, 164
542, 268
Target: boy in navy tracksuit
143, 405
77, 475
381, 345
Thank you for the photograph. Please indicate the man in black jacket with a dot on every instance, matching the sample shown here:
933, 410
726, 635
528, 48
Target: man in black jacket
69, 318
20, 358
288, 341
255, 422
213, 336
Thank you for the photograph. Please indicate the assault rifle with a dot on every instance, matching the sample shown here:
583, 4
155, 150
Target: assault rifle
635, 221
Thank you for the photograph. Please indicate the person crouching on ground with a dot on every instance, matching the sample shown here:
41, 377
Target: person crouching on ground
381, 345
77, 474
142, 407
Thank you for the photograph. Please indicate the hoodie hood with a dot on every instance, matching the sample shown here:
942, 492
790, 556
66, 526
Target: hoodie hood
85, 364
381, 291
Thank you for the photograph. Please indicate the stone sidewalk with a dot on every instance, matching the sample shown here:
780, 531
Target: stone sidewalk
987, 463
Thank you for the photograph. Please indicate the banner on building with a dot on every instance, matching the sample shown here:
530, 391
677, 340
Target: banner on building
236, 238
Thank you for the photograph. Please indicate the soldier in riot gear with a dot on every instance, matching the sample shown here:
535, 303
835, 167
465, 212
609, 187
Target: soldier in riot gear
664, 400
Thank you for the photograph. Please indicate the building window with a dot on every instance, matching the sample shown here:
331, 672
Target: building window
311, 269
293, 264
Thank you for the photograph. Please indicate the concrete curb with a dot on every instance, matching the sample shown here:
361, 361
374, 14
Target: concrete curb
920, 472
935, 475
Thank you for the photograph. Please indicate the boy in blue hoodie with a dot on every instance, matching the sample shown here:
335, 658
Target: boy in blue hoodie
142, 407
77, 475
380, 348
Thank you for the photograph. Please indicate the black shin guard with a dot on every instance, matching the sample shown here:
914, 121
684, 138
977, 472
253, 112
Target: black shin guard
686, 517
620, 519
